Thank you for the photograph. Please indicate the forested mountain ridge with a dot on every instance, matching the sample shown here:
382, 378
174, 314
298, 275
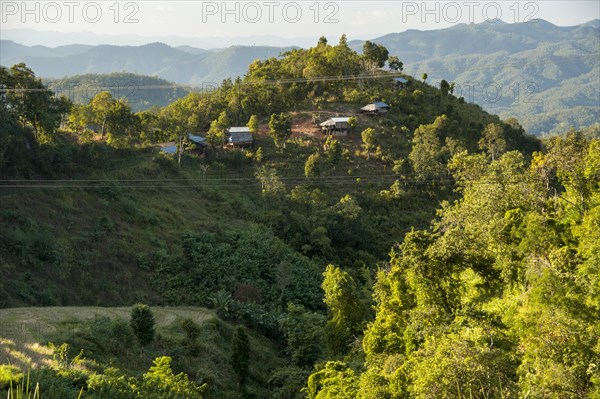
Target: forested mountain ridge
544, 75
141, 92
433, 250
179, 65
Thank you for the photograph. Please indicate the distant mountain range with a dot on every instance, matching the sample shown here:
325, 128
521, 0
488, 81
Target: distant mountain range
545, 75
184, 65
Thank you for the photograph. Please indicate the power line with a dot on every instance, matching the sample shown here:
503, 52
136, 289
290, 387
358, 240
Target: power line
251, 183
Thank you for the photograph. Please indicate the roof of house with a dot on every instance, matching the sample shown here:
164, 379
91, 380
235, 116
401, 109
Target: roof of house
380, 104
370, 107
376, 106
335, 120
240, 137
168, 148
339, 119
239, 129
401, 80
197, 139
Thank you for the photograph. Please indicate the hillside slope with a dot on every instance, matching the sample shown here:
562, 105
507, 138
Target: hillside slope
22, 328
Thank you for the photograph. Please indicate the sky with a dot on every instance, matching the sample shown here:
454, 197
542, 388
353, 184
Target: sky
261, 19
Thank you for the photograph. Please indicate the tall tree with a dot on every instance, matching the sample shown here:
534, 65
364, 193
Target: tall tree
102, 105
444, 87
375, 53
142, 323
31, 101
304, 334
253, 124
369, 137
395, 64
346, 310
492, 140
427, 154
333, 150
280, 128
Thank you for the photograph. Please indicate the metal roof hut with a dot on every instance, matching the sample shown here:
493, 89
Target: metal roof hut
337, 126
400, 82
168, 148
375, 108
240, 137
199, 141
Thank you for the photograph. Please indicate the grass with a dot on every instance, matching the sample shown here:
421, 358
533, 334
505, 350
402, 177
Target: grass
206, 359
23, 329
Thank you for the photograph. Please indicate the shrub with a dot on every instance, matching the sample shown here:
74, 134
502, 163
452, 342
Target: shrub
142, 323
8, 374
191, 329
247, 293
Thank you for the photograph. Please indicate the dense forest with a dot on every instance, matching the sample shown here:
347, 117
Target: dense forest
141, 92
434, 252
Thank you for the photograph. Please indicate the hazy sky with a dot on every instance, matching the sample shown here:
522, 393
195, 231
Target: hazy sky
358, 19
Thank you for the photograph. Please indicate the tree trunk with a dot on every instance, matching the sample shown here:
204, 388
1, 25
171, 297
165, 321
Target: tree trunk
102, 129
180, 150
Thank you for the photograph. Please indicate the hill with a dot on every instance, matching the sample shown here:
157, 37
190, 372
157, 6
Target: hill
141, 92
544, 75
373, 258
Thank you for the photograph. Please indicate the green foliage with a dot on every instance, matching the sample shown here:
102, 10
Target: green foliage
270, 182
395, 64
492, 140
305, 335
240, 354
142, 323
348, 207
375, 53
444, 87
217, 133
287, 382
253, 123
491, 303
427, 155
30, 102
9, 375
346, 310
462, 366
497, 297
312, 166
280, 128
191, 329
333, 380
161, 383
333, 150
214, 270
369, 139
